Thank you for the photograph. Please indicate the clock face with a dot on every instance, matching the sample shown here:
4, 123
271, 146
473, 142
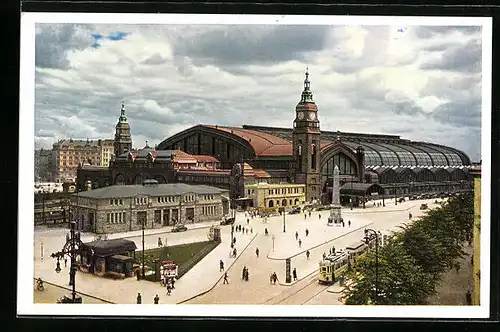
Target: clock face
312, 116
300, 115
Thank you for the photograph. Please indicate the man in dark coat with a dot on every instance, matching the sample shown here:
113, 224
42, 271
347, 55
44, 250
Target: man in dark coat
139, 298
294, 274
156, 299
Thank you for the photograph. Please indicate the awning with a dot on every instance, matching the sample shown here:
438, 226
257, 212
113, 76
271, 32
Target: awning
361, 189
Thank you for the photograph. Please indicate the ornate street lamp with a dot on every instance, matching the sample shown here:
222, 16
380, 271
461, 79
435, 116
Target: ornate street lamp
367, 240
71, 248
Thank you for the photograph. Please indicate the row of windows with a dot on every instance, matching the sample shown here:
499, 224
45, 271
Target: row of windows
209, 210
189, 198
411, 159
208, 197
208, 179
116, 217
167, 199
284, 202
141, 201
282, 191
116, 201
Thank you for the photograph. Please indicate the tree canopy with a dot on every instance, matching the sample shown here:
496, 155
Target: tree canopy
411, 263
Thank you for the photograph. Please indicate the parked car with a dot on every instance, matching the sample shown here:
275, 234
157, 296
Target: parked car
179, 228
401, 200
227, 221
423, 207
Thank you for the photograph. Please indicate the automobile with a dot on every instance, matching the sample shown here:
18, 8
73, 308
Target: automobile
227, 221
401, 200
423, 207
296, 210
179, 228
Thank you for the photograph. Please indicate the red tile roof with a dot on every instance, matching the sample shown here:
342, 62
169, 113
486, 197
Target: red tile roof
263, 144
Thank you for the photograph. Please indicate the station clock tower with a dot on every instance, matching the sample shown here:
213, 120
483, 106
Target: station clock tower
306, 138
123, 138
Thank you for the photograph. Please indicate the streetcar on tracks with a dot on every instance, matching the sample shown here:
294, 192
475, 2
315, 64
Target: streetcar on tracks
337, 264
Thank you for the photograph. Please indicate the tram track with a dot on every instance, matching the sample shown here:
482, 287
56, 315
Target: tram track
308, 285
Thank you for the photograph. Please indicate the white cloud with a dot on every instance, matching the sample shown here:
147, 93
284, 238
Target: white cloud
364, 79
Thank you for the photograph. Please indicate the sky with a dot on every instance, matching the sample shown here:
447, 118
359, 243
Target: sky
420, 82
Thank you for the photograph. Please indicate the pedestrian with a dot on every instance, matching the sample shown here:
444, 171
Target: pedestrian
243, 273
265, 231
234, 240
247, 230
468, 298
275, 277
157, 299
349, 223
343, 224
65, 262
300, 243
169, 289
319, 216
225, 279
173, 283
160, 244
248, 221
139, 298
271, 277
307, 254
251, 230
333, 250
221, 265
296, 236
257, 252
138, 274
294, 274
246, 274
309, 213
234, 252
305, 215
409, 215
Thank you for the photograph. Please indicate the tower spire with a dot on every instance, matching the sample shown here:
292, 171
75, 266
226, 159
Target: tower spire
307, 96
123, 117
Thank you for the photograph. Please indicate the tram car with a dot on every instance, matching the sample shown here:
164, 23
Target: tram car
342, 261
332, 266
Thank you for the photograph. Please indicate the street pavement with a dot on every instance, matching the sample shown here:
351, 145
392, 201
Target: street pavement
206, 278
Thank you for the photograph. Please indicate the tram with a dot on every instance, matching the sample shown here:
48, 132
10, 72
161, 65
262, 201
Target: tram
342, 261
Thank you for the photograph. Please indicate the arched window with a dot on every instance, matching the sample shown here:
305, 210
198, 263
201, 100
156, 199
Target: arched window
296, 201
346, 165
120, 179
283, 203
271, 203
425, 175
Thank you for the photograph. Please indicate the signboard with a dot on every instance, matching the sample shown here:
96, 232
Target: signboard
288, 271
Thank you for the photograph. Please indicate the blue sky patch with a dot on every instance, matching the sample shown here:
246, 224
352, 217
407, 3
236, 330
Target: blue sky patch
117, 35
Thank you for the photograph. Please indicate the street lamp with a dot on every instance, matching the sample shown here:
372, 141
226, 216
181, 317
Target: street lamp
395, 196
70, 249
284, 228
273, 241
367, 240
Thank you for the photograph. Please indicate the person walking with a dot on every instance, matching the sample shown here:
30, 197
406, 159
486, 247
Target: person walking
257, 252
160, 244
275, 277
294, 274
307, 232
343, 224
139, 298
248, 221
156, 299
65, 262
243, 273
319, 216
305, 215
173, 283
296, 236
138, 274
308, 254
349, 223
225, 279
221, 265
271, 277
234, 252
309, 213
251, 230
300, 243
169, 289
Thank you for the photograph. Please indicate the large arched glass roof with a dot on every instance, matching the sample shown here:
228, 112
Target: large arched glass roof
408, 153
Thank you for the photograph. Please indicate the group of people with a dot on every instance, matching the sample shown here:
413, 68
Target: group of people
160, 243
273, 278
300, 240
242, 229
305, 215
169, 283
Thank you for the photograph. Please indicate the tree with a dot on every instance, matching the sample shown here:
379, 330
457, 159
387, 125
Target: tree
411, 264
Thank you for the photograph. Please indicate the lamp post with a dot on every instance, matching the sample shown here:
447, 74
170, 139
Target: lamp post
367, 240
70, 250
284, 227
273, 241
395, 196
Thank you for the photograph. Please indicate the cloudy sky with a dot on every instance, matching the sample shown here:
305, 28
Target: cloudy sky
423, 83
